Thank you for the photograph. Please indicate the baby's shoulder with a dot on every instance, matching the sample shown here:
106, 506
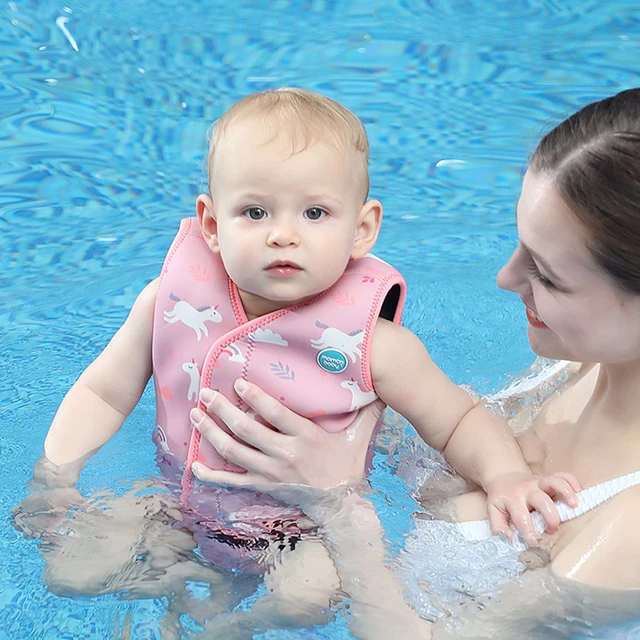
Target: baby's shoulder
388, 329
394, 340
139, 322
146, 300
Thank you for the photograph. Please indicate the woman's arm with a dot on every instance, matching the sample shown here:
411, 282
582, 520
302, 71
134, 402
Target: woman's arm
291, 464
354, 536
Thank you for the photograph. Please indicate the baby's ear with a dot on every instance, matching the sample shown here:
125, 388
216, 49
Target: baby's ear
369, 221
205, 210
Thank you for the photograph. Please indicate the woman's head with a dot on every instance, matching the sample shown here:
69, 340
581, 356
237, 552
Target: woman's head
593, 158
578, 264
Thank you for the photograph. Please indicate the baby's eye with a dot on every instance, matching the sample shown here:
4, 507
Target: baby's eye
315, 213
255, 213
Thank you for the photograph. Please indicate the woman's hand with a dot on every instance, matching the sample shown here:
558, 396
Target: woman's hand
295, 450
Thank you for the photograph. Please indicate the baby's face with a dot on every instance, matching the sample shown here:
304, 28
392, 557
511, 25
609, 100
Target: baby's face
286, 222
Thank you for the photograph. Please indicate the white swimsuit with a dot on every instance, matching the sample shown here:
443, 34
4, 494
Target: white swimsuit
442, 562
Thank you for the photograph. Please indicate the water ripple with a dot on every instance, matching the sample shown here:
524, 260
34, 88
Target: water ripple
103, 146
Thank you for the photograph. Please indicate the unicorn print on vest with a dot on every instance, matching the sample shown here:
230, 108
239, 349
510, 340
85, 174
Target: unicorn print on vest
194, 318
334, 346
191, 368
359, 398
160, 438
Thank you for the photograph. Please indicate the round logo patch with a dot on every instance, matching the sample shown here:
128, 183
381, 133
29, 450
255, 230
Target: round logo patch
332, 360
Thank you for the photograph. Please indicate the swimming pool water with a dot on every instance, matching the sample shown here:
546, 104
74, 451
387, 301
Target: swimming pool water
104, 109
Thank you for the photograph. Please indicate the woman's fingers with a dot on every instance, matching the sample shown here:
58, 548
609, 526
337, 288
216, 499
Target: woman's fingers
223, 478
227, 446
299, 452
240, 423
268, 408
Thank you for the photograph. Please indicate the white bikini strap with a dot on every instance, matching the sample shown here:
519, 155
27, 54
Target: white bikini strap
587, 499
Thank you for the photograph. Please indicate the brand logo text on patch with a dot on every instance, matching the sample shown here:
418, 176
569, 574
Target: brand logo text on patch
332, 360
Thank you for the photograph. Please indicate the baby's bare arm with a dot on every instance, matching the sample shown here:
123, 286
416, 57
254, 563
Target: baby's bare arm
108, 390
476, 442
90, 414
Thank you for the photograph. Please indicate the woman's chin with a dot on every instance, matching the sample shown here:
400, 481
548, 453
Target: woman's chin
545, 344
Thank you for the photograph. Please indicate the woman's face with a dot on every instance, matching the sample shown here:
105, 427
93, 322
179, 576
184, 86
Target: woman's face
575, 310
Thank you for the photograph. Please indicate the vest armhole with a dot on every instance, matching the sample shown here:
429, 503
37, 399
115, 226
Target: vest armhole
390, 303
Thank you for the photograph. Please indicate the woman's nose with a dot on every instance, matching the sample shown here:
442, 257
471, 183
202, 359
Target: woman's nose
513, 275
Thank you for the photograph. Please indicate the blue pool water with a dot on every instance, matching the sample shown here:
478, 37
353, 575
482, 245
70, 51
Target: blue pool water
104, 109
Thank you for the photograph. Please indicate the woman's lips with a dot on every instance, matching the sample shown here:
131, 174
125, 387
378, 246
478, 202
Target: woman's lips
534, 321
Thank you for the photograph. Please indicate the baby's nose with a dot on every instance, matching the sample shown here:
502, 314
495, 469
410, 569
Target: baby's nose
283, 236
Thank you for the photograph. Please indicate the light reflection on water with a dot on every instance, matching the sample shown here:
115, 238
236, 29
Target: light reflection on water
102, 155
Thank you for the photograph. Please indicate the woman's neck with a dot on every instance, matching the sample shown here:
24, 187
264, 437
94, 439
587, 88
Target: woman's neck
617, 393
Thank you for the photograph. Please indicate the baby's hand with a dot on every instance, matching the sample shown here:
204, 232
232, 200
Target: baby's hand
512, 496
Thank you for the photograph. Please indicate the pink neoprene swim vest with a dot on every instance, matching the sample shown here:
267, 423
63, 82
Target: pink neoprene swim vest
313, 357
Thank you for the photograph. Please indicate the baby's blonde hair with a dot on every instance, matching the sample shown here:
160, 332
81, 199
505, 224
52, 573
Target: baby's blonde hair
306, 117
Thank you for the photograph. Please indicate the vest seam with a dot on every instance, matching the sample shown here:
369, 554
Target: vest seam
374, 314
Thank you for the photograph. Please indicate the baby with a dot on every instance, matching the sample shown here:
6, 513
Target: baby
273, 283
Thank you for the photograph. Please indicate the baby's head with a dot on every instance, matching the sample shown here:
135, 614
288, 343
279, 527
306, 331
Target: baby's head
298, 118
288, 207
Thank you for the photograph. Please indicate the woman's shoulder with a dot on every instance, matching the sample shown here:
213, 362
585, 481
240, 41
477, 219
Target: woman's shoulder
565, 400
604, 552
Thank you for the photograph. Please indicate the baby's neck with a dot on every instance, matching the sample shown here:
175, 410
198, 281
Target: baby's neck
255, 306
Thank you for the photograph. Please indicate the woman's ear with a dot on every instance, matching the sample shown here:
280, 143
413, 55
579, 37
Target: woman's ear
205, 210
369, 221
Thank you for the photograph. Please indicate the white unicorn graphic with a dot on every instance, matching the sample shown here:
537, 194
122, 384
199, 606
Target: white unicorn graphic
191, 368
359, 398
195, 318
333, 338
161, 439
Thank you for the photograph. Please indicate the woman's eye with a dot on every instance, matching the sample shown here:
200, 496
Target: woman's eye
535, 272
315, 213
255, 213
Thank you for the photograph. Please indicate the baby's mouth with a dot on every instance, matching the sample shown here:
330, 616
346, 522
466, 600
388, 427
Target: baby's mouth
283, 268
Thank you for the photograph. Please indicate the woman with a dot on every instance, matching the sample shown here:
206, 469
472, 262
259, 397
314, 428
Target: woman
577, 271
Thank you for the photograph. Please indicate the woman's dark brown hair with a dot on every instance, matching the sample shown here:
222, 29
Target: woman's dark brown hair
594, 159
